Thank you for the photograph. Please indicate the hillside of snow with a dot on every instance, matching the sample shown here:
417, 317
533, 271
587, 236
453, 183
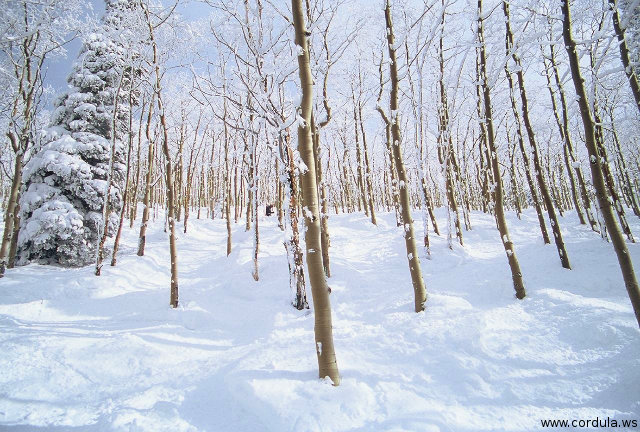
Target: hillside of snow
88, 353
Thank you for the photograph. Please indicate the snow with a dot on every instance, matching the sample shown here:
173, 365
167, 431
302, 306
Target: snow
107, 353
301, 122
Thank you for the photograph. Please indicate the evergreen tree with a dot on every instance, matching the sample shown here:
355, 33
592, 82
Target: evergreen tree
631, 24
67, 178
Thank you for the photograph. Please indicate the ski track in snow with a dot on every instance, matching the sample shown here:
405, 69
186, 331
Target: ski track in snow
106, 353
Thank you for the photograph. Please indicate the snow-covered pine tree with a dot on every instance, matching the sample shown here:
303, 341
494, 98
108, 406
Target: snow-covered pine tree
66, 179
630, 10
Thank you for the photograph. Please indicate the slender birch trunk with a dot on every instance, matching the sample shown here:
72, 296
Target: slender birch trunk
516, 273
142, 238
125, 194
173, 299
420, 294
106, 205
367, 168
327, 364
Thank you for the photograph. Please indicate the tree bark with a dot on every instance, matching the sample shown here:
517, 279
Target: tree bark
629, 70
10, 215
544, 190
516, 273
606, 208
569, 145
367, 168
173, 299
116, 242
322, 195
327, 364
420, 294
142, 238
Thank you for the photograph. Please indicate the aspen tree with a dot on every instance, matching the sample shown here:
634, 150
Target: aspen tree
523, 151
227, 170
595, 161
134, 195
148, 188
322, 193
629, 70
361, 183
191, 168
392, 165
420, 294
485, 169
417, 104
565, 151
625, 180
544, 191
496, 186
317, 128
604, 163
327, 364
179, 168
170, 204
292, 243
367, 168
116, 242
584, 193
446, 153
514, 180
106, 206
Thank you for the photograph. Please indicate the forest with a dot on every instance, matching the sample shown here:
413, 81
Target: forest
440, 198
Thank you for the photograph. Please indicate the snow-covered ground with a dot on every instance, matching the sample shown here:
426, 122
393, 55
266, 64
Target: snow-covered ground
87, 353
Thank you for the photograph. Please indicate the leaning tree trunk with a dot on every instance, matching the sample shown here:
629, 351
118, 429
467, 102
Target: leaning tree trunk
606, 169
606, 207
327, 364
525, 157
568, 143
624, 171
565, 150
544, 190
420, 293
516, 273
